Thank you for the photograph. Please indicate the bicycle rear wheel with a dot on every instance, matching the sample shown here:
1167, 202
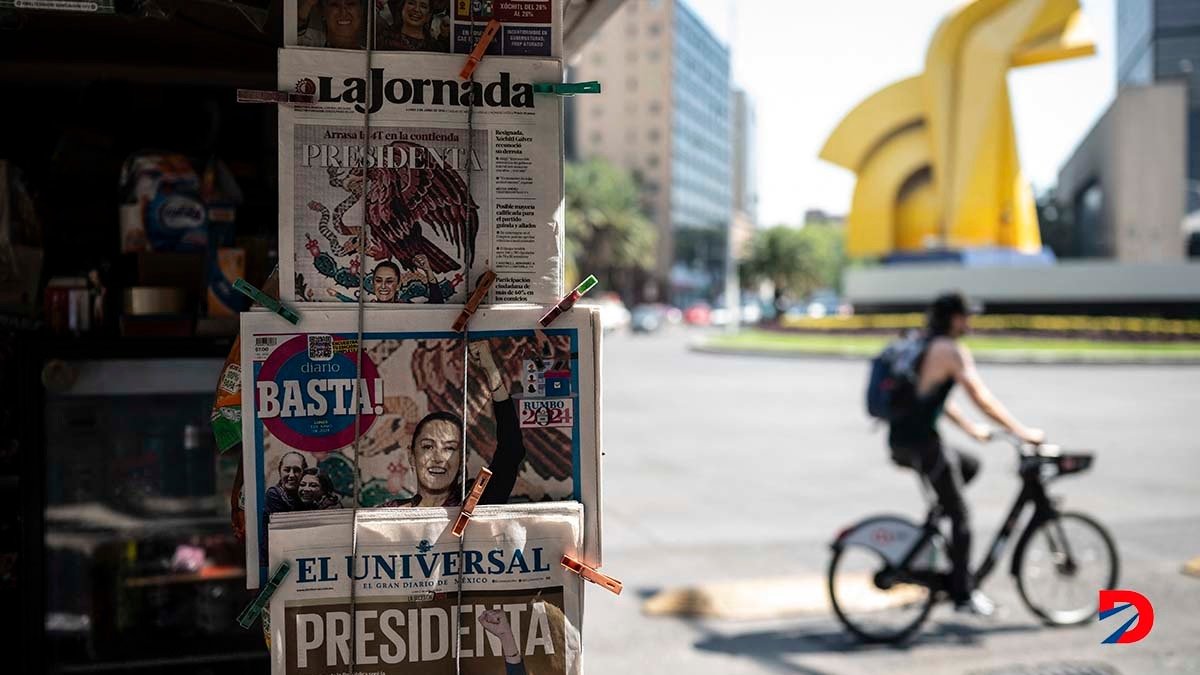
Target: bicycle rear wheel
872, 613
1062, 564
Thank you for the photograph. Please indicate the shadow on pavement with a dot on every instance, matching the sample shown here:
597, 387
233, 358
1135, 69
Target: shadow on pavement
774, 647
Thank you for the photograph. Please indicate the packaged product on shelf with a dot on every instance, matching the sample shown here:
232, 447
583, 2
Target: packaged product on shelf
162, 208
226, 415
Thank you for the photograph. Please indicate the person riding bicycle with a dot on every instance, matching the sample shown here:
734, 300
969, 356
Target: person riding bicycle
916, 444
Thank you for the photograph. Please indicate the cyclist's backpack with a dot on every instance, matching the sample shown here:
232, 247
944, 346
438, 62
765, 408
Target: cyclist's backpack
892, 387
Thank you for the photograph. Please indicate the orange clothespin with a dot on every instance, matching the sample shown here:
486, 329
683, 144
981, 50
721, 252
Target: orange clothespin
481, 481
590, 574
481, 288
476, 56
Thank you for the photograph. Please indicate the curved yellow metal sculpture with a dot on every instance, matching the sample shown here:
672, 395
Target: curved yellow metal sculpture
936, 154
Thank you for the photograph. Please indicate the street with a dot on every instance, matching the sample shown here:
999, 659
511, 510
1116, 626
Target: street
723, 468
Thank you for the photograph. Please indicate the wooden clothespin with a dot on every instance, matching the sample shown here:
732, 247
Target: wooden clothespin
468, 509
566, 88
476, 56
481, 289
568, 301
590, 574
248, 289
267, 96
248, 615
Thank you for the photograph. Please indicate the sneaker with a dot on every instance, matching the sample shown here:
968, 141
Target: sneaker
977, 604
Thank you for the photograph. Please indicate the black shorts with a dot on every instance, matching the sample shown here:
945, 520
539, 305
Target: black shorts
931, 458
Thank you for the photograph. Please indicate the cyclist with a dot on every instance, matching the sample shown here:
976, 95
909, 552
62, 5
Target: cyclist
915, 443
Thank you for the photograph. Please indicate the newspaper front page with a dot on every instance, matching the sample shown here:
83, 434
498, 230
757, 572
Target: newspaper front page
446, 197
532, 413
498, 599
528, 27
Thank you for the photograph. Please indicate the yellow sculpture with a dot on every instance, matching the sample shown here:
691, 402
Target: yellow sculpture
936, 154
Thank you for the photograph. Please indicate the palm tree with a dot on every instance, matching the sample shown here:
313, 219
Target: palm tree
608, 234
797, 261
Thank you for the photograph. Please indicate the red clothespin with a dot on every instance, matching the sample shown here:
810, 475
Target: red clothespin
264, 96
481, 289
590, 574
481, 481
476, 56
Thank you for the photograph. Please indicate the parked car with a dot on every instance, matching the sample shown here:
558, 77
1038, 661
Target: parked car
698, 314
647, 318
614, 315
821, 304
751, 313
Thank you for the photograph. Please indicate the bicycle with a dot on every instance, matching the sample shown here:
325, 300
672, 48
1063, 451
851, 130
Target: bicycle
886, 572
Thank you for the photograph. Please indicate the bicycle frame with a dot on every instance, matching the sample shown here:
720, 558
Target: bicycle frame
1033, 491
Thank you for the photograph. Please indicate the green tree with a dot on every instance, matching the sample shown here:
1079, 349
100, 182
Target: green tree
608, 234
797, 261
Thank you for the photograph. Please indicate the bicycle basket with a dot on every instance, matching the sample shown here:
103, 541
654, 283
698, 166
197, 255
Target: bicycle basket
1071, 462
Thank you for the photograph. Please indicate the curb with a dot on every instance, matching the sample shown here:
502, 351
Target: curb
1013, 359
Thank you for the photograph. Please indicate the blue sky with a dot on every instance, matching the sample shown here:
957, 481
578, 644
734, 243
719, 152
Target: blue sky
808, 62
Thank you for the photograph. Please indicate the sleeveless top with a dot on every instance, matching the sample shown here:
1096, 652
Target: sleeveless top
920, 426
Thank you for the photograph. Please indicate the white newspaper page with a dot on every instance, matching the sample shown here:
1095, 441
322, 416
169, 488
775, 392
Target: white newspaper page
531, 415
446, 197
498, 599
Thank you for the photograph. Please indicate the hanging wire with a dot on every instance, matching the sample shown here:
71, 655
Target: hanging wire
359, 348
470, 259
359, 388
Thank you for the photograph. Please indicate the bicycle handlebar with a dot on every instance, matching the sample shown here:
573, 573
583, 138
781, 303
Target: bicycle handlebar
1022, 447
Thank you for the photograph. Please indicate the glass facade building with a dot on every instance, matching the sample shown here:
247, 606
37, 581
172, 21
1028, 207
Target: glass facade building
701, 180
701, 156
666, 116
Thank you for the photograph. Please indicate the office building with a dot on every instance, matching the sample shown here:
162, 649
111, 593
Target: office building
666, 114
1131, 182
1159, 41
745, 173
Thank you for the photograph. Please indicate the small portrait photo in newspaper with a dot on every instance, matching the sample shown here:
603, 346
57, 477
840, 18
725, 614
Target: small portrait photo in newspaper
413, 25
339, 24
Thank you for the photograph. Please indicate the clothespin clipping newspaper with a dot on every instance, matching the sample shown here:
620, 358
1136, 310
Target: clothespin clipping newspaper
590, 574
248, 615
477, 296
568, 301
266, 96
566, 88
476, 56
468, 509
267, 301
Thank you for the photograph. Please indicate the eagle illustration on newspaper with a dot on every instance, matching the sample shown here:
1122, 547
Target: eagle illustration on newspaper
401, 201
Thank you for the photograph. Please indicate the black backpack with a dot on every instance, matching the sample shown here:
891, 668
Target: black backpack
892, 386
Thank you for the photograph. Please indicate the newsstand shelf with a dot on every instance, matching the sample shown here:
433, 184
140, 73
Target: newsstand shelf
215, 574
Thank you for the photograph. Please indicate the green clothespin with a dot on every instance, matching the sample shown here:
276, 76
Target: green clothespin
266, 301
566, 88
248, 615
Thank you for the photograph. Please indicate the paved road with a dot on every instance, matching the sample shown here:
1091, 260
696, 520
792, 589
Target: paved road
726, 468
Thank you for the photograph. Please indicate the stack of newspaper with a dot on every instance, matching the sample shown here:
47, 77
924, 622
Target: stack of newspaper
362, 432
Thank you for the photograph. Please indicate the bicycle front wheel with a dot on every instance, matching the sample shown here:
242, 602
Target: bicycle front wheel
872, 613
1064, 561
